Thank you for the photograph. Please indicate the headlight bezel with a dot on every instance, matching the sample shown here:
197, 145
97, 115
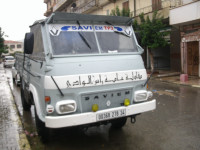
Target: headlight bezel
142, 95
66, 103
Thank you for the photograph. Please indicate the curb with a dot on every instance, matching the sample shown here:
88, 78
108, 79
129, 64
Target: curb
23, 143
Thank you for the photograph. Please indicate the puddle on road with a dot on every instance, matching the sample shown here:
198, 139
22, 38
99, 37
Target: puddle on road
166, 92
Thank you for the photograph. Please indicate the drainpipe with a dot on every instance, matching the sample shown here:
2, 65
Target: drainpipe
199, 58
148, 65
134, 8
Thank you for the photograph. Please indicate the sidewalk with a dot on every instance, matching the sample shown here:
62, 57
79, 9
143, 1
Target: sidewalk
12, 135
174, 77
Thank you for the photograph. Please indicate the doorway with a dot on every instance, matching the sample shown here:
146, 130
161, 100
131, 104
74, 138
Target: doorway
193, 58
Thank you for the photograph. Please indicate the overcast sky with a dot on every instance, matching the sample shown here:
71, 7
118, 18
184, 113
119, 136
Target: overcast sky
17, 15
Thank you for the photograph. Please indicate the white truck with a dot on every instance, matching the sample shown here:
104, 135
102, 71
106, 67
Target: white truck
83, 70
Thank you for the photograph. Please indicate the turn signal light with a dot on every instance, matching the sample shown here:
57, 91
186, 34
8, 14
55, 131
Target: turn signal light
47, 99
95, 107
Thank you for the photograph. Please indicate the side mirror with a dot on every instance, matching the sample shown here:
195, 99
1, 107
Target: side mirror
28, 43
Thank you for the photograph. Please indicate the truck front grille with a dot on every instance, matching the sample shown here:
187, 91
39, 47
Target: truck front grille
105, 100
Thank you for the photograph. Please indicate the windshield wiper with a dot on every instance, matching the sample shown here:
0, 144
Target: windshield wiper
82, 37
123, 33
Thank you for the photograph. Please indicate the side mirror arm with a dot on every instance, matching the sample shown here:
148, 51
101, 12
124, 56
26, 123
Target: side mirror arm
148, 78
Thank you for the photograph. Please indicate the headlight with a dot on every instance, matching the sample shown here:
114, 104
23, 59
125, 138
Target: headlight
142, 95
66, 106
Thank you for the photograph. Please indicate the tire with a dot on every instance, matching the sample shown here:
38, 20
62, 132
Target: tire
25, 105
42, 131
118, 123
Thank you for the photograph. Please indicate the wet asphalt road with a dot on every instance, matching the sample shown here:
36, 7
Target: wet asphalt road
174, 125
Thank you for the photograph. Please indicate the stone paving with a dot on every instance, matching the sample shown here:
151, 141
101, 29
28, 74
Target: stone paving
12, 136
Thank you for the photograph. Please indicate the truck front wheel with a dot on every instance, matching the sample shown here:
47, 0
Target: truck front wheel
43, 131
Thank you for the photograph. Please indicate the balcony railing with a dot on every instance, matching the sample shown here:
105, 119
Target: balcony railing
143, 10
164, 4
59, 4
178, 3
103, 2
85, 7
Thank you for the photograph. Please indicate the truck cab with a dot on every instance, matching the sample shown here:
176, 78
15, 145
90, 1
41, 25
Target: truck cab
83, 70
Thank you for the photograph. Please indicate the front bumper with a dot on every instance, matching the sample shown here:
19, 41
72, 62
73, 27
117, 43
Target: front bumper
91, 117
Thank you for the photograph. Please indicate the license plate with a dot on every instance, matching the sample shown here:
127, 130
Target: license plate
111, 114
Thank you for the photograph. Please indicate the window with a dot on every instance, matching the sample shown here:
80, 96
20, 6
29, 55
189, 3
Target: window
12, 46
75, 40
156, 4
6, 46
9, 58
69, 43
49, 5
115, 42
125, 5
19, 46
107, 12
38, 48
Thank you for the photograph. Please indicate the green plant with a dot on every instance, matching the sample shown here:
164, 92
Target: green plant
2, 46
118, 12
151, 32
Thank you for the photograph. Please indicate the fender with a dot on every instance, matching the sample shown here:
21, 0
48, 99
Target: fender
33, 90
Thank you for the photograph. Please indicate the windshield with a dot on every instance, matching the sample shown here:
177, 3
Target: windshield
70, 39
81, 39
9, 58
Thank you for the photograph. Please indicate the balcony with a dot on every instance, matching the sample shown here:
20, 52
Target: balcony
86, 7
102, 3
48, 12
46, 1
165, 4
61, 4
185, 14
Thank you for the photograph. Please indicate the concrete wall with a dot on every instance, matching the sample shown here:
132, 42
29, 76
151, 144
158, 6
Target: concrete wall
140, 4
110, 6
175, 56
186, 13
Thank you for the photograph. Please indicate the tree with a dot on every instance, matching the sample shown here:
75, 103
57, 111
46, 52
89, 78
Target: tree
151, 33
2, 46
118, 12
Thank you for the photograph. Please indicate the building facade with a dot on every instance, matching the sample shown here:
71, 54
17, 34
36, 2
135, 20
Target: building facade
187, 19
104, 7
13, 46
